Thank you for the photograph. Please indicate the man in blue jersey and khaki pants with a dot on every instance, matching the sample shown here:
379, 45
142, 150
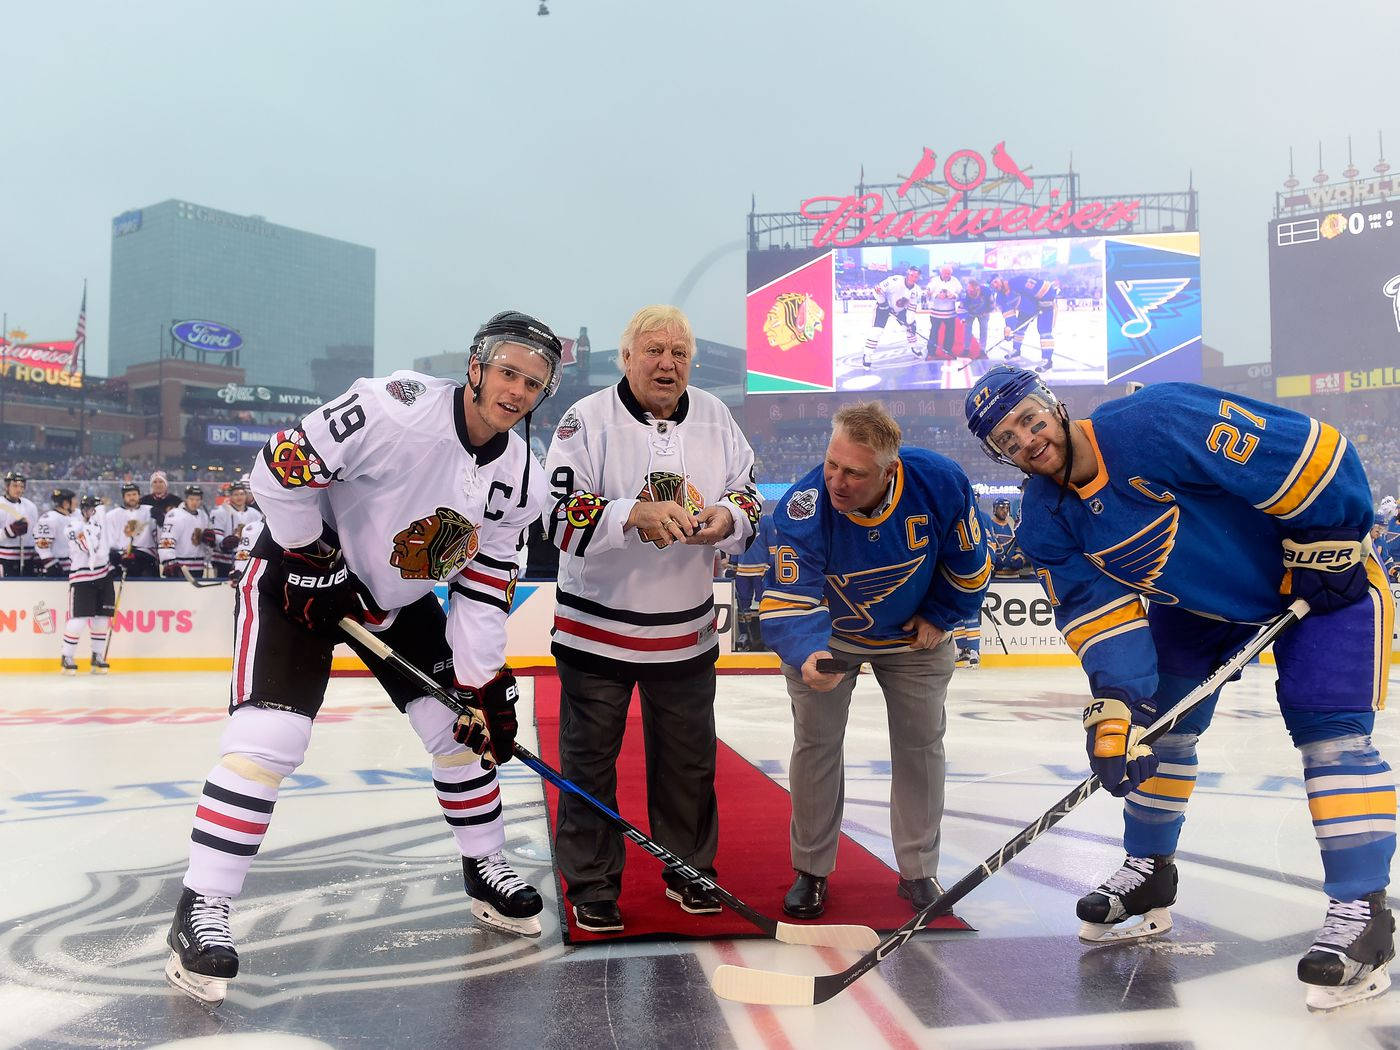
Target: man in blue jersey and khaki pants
878, 555
1218, 511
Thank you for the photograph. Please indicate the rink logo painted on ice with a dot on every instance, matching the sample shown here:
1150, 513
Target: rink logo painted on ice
336, 915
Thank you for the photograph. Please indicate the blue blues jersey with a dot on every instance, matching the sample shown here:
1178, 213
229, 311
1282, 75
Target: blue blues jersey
1036, 293
1006, 554
1388, 549
753, 564
1007, 300
849, 582
978, 305
1194, 491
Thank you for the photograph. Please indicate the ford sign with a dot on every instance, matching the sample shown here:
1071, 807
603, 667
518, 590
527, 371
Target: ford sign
206, 335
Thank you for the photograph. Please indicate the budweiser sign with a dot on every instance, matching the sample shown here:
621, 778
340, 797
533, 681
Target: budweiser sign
856, 219
49, 357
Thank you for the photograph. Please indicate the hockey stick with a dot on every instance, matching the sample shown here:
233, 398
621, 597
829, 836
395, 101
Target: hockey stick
746, 985
857, 938
112, 620
201, 581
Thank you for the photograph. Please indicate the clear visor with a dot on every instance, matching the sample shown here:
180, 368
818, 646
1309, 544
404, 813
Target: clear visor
513, 356
1031, 416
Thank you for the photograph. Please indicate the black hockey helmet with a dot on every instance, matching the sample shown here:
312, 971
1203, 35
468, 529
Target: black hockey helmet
130, 486
511, 326
88, 502
58, 496
238, 486
193, 490
14, 475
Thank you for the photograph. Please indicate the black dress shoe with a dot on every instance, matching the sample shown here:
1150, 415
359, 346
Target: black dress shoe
807, 898
694, 898
598, 917
920, 892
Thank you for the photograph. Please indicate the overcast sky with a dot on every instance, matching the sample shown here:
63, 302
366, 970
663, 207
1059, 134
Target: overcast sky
580, 165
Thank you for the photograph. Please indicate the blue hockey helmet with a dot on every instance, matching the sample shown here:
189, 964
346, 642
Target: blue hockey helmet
995, 395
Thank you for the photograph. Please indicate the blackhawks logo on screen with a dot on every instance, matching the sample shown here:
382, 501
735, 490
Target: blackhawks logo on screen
795, 318
435, 547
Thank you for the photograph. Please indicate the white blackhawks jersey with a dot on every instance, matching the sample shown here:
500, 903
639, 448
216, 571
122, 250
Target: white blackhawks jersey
51, 539
895, 294
390, 468
125, 529
624, 605
14, 549
227, 521
87, 552
247, 539
941, 297
182, 538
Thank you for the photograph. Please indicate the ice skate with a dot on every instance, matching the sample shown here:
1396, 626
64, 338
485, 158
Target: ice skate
1144, 887
1348, 961
1045, 365
99, 665
500, 898
68, 665
202, 958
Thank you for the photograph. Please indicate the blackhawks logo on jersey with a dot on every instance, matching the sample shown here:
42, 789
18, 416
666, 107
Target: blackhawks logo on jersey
662, 485
435, 547
294, 461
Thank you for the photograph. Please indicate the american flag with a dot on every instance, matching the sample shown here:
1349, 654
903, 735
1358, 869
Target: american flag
81, 337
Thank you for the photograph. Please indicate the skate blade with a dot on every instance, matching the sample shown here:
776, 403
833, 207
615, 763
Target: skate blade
71, 672
211, 991
1322, 999
99, 670
489, 916
1152, 924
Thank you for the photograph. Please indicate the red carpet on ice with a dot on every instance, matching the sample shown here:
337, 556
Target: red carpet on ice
753, 862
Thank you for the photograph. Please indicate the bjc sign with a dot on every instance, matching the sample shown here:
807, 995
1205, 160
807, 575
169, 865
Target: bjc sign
852, 220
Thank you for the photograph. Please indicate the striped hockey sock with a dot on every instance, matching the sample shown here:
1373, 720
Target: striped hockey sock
1155, 811
1351, 796
229, 826
471, 803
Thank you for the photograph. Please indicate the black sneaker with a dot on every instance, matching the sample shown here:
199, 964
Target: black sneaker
807, 897
598, 917
695, 898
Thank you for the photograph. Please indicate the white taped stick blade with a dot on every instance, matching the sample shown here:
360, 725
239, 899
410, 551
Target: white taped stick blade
742, 985
856, 938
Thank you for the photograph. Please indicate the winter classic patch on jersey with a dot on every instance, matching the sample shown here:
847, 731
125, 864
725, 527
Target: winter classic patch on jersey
435, 547
568, 426
802, 505
406, 390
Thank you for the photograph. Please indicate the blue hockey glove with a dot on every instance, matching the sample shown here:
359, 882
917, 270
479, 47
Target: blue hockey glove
1324, 567
1112, 740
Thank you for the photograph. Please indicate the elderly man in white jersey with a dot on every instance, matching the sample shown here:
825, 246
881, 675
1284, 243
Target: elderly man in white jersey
648, 477
403, 483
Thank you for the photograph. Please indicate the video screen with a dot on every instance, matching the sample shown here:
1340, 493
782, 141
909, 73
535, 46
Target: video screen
1334, 299
1082, 310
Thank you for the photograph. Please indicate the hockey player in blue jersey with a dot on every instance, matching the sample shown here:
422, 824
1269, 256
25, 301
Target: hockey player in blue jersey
1007, 557
1219, 511
749, 573
880, 554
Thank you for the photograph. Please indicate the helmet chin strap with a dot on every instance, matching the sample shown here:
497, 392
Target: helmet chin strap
1069, 455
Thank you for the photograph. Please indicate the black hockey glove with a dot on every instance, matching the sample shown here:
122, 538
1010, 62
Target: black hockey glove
18, 527
1324, 567
1112, 735
114, 557
318, 589
228, 544
491, 727
208, 537
55, 570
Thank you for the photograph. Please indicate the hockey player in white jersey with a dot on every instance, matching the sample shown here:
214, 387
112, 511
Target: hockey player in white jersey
227, 522
403, 483
895, 297
92, 598
18, 516
186, 537
131, 535
51, 534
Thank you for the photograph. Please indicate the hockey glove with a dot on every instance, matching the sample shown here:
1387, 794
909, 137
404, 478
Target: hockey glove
114, 557
18, 527
318, 589
1115, 755
489, 730
208, 537
55, 570
228, 544
1324, 567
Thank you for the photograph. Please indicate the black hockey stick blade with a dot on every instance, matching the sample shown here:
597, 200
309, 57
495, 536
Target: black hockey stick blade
745, 985
856, 938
